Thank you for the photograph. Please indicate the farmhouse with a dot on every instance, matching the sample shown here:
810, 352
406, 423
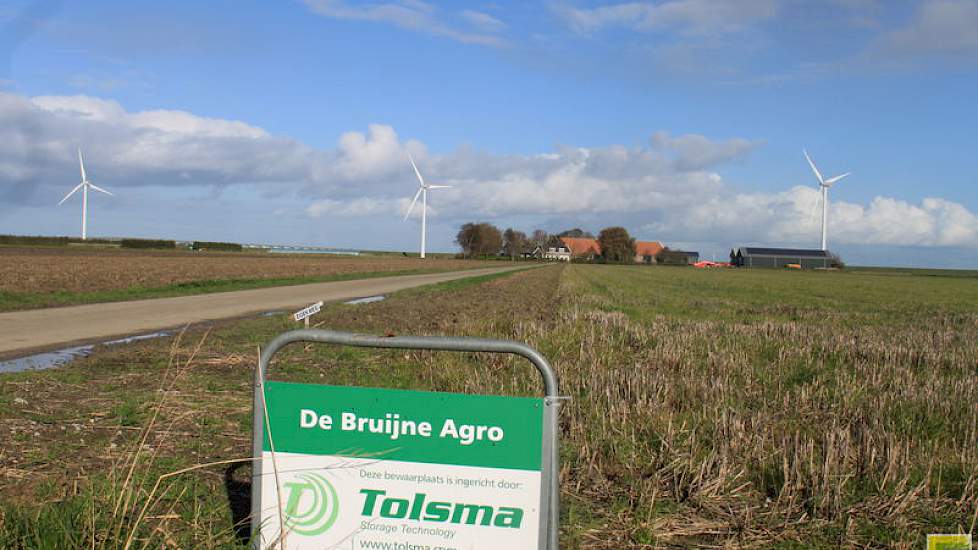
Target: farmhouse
749, 256
582, 248
588, 249
646, 251
554, 251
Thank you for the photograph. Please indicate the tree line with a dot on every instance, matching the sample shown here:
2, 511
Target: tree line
485, 239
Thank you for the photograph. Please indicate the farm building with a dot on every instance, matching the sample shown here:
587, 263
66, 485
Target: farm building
580, 247
588, 249
677, 257
554, 251
691, 256
646, 251
750, 256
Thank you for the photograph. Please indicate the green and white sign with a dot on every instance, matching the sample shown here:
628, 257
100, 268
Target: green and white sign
363, 468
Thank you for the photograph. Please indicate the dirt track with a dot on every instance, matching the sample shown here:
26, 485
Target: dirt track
22, 330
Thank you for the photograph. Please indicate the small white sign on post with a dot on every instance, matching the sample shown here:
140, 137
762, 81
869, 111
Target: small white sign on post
305, 313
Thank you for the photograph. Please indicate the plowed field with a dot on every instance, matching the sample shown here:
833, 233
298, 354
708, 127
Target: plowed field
38, 270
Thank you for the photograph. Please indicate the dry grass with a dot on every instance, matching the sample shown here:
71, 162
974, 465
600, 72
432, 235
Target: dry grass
143, 446
730, 409
825, 430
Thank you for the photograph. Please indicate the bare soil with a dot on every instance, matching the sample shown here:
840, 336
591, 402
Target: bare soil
38, 270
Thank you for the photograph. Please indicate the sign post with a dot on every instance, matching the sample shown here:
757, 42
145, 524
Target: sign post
305, 313
354, 467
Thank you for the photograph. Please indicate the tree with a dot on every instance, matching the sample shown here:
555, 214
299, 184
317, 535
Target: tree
667, 256
576, 233
616, 245
513, 242
479, 239
539, 238
466, 237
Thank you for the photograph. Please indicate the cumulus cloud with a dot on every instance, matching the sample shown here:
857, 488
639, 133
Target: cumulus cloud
40, 135
669, 189
413, 15
788, 217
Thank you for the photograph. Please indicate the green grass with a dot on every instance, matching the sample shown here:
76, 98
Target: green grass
874, 296
128, 413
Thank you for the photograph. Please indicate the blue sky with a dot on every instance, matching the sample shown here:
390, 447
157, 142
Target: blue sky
683, 120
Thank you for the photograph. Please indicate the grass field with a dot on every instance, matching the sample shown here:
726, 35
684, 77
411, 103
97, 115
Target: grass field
734, 408
49, 276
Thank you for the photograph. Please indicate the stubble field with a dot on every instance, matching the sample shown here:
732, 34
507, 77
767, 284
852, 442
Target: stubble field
751, 409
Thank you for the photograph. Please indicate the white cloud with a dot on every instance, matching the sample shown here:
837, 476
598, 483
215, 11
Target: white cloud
482, 20
671, 189
939, 27
690, 17
764, 42
694, 151
365, 156
39, 137
786, 217
363, 206
412, 15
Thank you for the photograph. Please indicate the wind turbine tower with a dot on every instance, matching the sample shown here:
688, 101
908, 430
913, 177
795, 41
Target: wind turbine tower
423, 193
824, 185
84, 185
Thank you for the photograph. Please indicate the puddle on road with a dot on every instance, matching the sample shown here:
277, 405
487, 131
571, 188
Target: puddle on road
139, 338
61, 357
47, 360
367, 300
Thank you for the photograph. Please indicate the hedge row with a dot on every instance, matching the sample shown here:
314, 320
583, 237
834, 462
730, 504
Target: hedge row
24, 239
205, 245
51, 241
124, 243
148, 243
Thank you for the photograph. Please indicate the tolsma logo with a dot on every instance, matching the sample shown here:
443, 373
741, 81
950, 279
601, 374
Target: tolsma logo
311, 506
949, 542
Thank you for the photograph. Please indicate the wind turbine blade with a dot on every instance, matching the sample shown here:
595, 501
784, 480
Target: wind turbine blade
81, 164
830, 181
70, 193
440, 186
814, 168
416, 171
416, 195
97, 188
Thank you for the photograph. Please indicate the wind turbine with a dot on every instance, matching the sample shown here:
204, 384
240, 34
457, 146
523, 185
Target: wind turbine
84, 185
824, 185
423, 193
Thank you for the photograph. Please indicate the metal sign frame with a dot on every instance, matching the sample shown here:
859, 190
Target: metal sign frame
550, 467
